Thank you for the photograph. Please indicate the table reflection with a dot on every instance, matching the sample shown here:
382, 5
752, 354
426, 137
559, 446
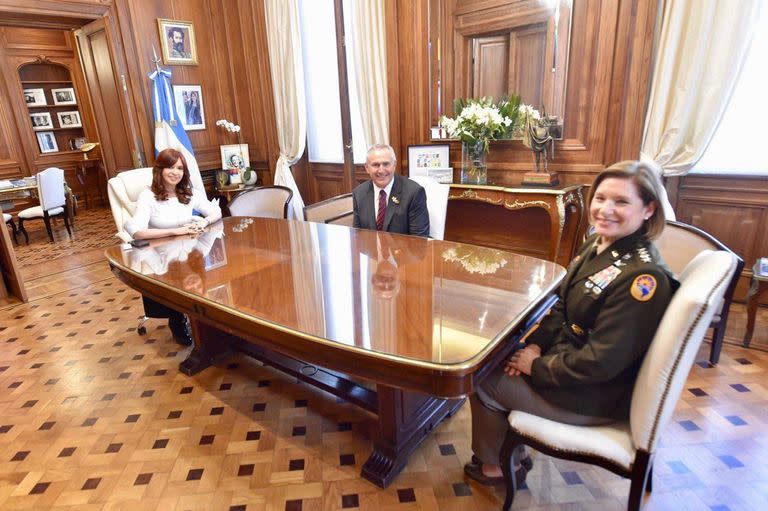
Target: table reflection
385, 293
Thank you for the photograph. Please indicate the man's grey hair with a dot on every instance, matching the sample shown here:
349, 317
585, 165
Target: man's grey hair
378, 147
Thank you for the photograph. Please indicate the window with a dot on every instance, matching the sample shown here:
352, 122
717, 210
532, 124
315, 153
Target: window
734, 146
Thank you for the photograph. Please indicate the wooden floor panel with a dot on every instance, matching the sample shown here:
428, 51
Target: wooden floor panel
94, 416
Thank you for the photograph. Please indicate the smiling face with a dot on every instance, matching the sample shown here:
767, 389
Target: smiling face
172, 175
380, 165
617, 210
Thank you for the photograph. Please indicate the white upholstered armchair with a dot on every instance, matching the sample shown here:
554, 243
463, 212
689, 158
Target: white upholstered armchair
123, 191
627, 448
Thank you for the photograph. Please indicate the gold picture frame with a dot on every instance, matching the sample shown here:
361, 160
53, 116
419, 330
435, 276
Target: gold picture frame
177, 40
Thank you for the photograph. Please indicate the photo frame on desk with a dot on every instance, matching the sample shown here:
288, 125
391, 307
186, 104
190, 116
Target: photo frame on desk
431, 160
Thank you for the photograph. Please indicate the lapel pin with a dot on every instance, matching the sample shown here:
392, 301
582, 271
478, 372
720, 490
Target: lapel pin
395, 200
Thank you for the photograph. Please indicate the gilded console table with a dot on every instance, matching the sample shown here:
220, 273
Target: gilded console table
543, 222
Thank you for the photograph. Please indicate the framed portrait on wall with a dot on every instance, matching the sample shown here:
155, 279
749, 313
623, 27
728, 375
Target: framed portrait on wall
62, 97
177, 39
189, 106
41, 121
47, 142
430, 160
34, 97
69, 119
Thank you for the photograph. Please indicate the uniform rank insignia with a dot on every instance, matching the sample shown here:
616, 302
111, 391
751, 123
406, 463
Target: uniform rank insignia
605, 276
643, 287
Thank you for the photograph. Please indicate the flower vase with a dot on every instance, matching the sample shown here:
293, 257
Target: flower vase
474, 169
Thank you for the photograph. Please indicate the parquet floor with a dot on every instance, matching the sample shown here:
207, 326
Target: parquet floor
96, 417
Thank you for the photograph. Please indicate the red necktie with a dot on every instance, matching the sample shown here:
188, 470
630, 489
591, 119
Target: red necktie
382, 210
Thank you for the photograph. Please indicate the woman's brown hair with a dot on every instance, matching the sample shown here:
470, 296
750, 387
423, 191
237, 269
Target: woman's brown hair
647, 178
165, 160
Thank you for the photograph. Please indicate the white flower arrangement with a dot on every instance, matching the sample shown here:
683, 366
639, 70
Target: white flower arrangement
229, 126
481, 120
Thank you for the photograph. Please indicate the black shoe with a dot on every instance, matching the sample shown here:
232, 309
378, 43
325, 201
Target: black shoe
475, 471
180, 329
526, 463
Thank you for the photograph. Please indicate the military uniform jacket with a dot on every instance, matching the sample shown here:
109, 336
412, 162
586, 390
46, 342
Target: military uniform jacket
594, 339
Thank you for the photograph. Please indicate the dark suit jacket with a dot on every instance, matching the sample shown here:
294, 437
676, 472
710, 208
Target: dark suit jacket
406, 208
595, 338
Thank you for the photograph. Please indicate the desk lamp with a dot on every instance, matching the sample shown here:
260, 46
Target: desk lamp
88, 147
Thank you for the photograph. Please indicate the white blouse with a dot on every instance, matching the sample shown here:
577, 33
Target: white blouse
168, 214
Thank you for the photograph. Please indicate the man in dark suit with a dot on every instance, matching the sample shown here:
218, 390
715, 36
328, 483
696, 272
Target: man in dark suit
389, 202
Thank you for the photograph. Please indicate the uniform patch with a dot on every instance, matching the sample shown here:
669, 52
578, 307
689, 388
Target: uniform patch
605, 276
643, 287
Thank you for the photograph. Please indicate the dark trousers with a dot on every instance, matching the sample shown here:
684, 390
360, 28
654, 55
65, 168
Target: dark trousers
153, 309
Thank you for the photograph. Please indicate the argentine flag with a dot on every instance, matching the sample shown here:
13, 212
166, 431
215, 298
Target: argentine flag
168, 129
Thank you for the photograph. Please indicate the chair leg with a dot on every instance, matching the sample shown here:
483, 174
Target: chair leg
23, 230
14, 232
47, 220
507, 463
649, 481
641, 471
718, 333
66, 220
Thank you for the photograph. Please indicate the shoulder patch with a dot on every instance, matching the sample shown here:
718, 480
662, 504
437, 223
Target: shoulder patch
643, 287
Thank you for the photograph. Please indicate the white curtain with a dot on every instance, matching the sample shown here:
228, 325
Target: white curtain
370, 51
702, 47
284, 41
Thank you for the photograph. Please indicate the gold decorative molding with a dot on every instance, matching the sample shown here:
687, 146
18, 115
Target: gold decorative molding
516, 204
473, 195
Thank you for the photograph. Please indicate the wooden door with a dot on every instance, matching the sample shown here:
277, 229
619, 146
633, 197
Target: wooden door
115, 115
490, 66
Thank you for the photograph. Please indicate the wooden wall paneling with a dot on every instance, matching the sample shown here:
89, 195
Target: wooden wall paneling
12, 157
490, 65
527, 51
52, 13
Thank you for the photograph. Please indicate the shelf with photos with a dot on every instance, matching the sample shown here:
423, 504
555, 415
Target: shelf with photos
42, 82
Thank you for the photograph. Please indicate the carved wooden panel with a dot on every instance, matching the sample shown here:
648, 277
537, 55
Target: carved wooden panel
526, 53
490, 65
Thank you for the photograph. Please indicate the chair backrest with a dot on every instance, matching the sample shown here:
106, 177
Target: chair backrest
50, 188
123, 191
437, 203
329, 208
265, 201
347, 218
678, 338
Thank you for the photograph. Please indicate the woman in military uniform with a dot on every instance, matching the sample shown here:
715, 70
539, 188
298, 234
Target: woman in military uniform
580, 365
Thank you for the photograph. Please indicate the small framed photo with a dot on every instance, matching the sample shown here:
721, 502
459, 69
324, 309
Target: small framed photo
47, 142
76, 143
178, 42
69, 119
34, 97
430, 160
234, 157
41, 121
189, 106
62, 97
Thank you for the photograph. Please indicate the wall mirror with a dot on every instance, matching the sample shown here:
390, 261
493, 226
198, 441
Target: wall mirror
494, 47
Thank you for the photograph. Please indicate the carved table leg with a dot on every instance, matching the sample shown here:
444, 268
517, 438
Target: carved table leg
209, 346
756, 292
405, 419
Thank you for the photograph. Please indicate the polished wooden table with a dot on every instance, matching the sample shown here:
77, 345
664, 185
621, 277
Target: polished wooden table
423, 320
543, 222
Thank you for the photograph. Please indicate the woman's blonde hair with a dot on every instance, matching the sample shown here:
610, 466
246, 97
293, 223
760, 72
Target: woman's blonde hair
647, 178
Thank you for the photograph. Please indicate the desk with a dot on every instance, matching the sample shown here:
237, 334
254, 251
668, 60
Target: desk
757, 289
425, 320
543, 222
90, 175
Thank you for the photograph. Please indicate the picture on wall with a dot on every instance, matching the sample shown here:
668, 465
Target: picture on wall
189, 106
63, 97
34, 97
178, 42
47, 142
69, 119
41, 121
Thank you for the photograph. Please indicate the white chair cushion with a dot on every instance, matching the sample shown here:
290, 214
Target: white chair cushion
123, 191
437, 203
7, 217
37, 212
612, 441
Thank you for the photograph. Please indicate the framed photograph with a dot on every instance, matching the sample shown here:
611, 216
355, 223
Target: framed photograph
76, 143
234, 157
34, 97
178, 42
217, 257
62, 97
41, 121
69, 119
189, 106
47, 142
430, 160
